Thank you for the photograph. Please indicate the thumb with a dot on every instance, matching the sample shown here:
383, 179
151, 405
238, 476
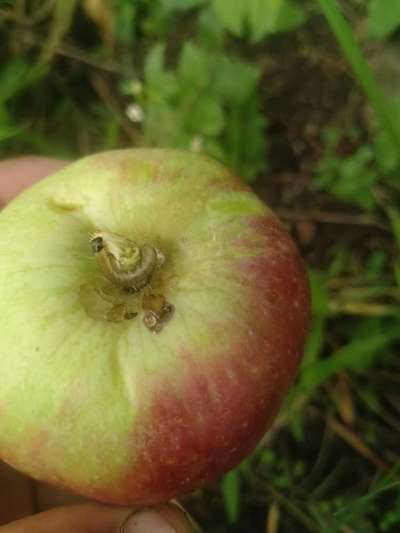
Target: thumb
19, 173
96, 518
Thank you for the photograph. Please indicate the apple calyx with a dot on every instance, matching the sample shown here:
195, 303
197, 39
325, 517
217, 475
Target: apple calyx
132, 282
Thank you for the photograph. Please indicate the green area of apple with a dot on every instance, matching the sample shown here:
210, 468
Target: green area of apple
100, 391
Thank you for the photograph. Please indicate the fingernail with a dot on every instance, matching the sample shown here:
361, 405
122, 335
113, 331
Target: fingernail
147, 521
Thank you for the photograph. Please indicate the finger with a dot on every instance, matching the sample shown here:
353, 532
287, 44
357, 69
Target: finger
48, 497
18, 174
96, 518
16, 495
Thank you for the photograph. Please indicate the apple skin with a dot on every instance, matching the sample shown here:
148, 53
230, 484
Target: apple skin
111, 410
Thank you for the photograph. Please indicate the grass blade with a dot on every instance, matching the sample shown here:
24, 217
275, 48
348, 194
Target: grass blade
355, 57
230, 486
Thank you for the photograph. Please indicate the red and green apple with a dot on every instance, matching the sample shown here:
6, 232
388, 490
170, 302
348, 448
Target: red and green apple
153, 313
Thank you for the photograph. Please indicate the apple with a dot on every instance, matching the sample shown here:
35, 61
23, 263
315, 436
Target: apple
153, 313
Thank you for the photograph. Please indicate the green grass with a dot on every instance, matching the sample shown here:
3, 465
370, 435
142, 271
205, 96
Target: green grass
345, 37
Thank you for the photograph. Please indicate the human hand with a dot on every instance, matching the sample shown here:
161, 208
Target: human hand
30, 507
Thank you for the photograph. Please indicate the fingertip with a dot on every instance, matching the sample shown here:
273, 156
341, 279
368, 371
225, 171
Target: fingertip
98, 518
167, 518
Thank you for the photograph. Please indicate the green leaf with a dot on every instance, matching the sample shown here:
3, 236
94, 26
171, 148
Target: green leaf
207, 117
315, 340
387, 156
296, 424
394, 216
259, 17
7, 128
231, 14
7, 131
154, 64
273, 16
236, 81
357, 355
244, 140
348, 178
125, 22
194, 67
230, 486
361, 503
375, 264
340, 261
16, 76
344, 34
383, 17
210, 31
162, 126
160, 84
319, 293
209, 103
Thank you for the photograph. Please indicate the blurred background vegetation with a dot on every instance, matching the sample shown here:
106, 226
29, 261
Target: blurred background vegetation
302, 99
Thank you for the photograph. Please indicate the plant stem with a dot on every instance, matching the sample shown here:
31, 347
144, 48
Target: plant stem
358, 62
349, 307
292, 508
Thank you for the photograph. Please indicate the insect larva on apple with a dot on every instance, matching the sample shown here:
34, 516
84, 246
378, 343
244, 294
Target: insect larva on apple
123, 262
129, 268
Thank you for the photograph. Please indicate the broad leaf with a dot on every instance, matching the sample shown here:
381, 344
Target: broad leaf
258, 17
207, 117
194, 66
383, 17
